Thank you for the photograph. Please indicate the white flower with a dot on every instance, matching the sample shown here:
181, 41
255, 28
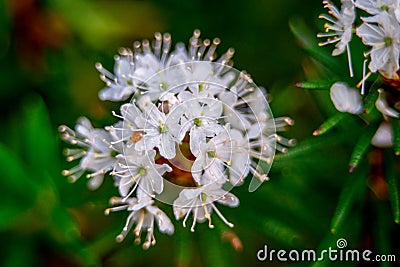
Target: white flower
339, 28
382, 105
122, 84
138, 71
211, 159
346, 99
383, 137
240, 161
341, 24
142, 172
200, 119
200, 202
191, 115
374, 7
157, 131
382, 33
244, 104
126, 129
203, 78
97, 154
143, 213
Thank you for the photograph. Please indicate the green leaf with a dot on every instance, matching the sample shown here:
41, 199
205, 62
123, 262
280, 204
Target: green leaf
314, 85
39, 139
15, 176
393, 185
396, 136
212, 250
93, 26
64, 227
382, 232
331, 122
306, 147
281, 232
351, 192
9, 212
184, 247
370, 99
361, 147
323, 258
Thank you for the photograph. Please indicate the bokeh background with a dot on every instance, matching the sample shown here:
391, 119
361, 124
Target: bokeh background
48, 49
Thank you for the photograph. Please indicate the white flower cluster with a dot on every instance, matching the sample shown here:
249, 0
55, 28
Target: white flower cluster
194, 124
380, 31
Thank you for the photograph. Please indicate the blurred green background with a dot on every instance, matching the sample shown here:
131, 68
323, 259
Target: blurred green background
48, 49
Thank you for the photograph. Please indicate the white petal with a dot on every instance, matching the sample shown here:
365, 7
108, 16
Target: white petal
116, 92
383, 137
167, 146
164, 223
95, 182
229, 200
384, 107
124, 186
346, 99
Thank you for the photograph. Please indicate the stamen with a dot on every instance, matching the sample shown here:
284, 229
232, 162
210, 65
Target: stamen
146, 46
139, 225
157, 44
221, 216
193, 44
115, 200
107, 211
349, 60
194, 220
166, 47
365, 77
186, 216
207, 215
210, 53
260, 176
117, 115
200, 52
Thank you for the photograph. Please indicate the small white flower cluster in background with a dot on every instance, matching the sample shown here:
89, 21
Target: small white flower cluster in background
194, 129
380, 32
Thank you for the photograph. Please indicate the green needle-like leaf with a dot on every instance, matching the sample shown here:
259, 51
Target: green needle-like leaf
9, 213
396, 136
351, 193
40, 140
361, 147
15, 178
184, 247
314, 85
280, 231
331, 122
213, 252
305, 147
382, 233
65, 226
393, 187
370, 99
